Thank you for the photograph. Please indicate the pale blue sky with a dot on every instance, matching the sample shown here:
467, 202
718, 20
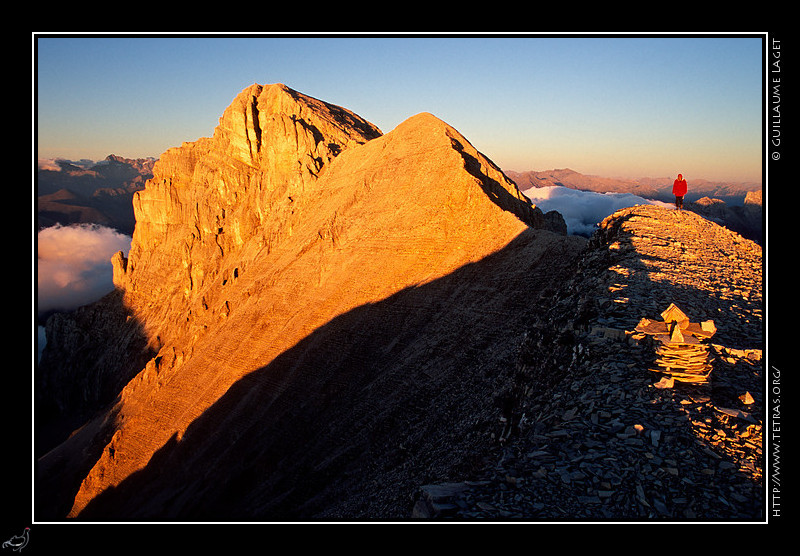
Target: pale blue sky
629, 106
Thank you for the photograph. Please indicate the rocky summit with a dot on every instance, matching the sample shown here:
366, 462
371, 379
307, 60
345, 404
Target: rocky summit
317, 320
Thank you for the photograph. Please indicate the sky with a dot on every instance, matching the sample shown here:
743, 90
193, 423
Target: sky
616, 106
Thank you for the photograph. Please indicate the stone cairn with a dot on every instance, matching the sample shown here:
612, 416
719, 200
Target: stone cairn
680, 353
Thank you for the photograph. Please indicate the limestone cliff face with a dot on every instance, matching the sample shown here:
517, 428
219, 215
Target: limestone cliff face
246, 184
251, 244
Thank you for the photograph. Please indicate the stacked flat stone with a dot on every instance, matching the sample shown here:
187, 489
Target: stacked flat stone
680, 353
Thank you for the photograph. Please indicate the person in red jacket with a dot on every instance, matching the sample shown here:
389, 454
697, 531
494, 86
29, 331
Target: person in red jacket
679, 189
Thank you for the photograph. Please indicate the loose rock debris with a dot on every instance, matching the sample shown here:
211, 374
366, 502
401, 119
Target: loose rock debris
680, 353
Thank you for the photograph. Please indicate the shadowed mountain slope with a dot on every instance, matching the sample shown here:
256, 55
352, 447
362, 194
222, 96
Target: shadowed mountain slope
353, 418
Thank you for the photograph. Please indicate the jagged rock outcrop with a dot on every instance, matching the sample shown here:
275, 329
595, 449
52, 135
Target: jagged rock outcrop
98, 349
330, 311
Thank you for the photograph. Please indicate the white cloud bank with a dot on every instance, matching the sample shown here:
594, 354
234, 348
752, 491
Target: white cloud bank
74, 264
53, 164
582, 210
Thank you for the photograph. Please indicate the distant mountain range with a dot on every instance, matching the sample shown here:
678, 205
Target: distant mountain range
659, 189
75, 192
82, 192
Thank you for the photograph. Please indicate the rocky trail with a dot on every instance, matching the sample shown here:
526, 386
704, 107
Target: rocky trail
592, 434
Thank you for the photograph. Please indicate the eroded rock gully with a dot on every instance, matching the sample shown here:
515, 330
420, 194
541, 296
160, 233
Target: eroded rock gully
588, 433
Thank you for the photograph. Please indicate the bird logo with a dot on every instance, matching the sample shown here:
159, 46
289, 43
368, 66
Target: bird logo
18, 542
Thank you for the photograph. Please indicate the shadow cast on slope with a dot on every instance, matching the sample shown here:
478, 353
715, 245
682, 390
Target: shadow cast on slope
520, 206
738, 316
352, 419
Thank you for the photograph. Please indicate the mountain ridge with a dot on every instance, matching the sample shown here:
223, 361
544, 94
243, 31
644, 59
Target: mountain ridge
593, 433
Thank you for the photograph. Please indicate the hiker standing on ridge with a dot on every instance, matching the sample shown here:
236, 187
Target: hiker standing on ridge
679, 189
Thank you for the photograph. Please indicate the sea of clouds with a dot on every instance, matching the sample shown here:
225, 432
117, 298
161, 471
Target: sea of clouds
583, 210
73, 266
